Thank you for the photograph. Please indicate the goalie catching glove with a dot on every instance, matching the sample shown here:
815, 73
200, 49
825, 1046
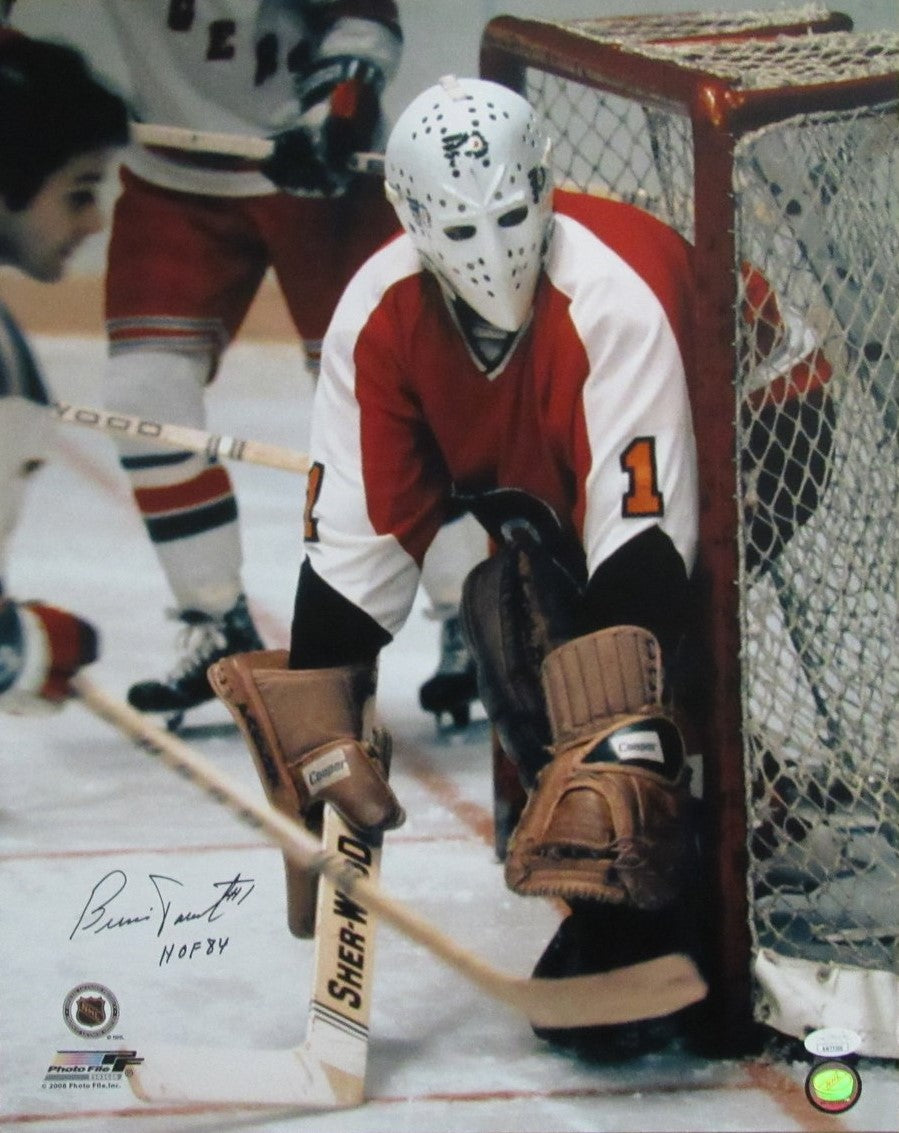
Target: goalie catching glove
341, 109
607, 820
303, 728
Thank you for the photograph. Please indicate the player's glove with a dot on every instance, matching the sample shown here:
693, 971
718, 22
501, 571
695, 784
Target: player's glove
341, 109
43, 648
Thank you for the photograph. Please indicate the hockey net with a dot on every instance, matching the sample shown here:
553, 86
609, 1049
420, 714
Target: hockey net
775, 150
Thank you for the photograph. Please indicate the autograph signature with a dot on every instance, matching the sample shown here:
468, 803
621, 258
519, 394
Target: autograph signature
101, 912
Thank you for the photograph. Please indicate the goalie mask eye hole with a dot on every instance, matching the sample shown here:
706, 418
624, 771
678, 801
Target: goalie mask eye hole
513, 217
460, 231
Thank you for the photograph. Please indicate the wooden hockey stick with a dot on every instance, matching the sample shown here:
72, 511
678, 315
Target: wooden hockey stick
343, 967
248, 147
327, 1070
184, 437
646, 990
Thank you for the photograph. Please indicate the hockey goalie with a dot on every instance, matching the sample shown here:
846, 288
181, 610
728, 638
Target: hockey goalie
523, 353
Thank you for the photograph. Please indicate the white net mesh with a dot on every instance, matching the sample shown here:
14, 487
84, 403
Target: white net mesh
645, 28
816, 259
817, 201
612, 145
785, 61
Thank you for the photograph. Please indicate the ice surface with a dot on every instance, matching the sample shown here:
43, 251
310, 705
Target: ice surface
81, 809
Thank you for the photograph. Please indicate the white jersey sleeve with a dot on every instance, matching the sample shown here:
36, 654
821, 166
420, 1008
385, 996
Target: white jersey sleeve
635, 401
373, 571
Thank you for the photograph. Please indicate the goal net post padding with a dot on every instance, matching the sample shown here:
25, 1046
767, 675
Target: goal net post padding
771, 142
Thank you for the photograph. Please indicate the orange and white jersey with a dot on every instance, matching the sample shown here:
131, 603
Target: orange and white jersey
228, 66
587, 413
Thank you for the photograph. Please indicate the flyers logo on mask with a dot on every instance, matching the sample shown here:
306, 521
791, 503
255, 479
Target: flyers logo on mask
473, 145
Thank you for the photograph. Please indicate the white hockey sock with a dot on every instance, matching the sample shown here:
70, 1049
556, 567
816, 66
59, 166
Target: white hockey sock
187, 503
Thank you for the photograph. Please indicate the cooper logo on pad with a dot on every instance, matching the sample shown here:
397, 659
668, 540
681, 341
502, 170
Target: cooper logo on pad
638, 745
325, 769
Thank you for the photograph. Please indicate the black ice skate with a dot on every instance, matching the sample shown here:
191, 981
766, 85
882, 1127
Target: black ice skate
204, 639
454, 685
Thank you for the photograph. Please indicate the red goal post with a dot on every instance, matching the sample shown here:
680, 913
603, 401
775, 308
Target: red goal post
771, 142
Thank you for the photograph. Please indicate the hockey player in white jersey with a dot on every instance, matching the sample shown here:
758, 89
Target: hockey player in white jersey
52, 162
310, 74
193, 235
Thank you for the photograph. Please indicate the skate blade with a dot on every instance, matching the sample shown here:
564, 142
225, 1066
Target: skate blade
197, 729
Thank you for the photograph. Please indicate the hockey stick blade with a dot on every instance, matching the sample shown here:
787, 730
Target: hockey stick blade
213, 445
295, 1077
646, 990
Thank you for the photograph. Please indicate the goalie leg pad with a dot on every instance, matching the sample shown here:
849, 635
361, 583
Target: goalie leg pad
608, 819
303, 729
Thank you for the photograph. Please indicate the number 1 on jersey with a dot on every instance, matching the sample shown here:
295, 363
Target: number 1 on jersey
643, 497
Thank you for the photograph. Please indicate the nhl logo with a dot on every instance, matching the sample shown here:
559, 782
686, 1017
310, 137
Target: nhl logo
90, 1010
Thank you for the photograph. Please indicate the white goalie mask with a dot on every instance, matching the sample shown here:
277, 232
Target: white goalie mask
467, 170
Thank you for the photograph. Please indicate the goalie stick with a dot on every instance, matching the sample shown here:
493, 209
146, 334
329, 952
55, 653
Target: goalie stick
652, 988
248, 147
327, 1070
182, 436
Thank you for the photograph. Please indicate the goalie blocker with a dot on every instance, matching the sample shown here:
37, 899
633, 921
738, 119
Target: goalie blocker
303, 729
